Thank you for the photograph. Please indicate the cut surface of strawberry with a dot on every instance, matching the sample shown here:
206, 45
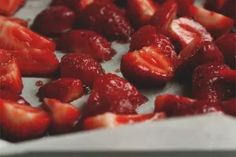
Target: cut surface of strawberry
63, 89
149, 66
111, 120
9, 7
15, 20
111, 93
10, 77
85, 41
64, 116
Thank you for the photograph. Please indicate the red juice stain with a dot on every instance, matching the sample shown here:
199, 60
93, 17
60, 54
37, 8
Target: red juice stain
39, 83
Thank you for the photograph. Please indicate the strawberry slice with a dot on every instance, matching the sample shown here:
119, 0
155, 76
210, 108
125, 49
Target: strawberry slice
184, 30
16, 20
111, 93
149, 66
64, 116
63, 89
229, 107
164, 15
183, 7
140, 11
10, 78
217, 26
85, 41
81, 66
9, 7
174, 105
111, 120
226, 44
13, 97
21, 122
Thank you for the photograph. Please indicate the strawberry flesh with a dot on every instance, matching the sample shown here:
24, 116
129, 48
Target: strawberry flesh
9, 7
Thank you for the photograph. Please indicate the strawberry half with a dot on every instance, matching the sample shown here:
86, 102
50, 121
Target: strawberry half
111, 93
184, 30
217, 26
149, 66
10, 77
9, 7
174, 105
63, 89
19, 21
140, 11
229, 107
85, 41
111, 120
64, 116
21, 122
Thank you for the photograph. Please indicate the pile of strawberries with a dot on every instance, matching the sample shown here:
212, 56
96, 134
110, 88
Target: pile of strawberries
172, 40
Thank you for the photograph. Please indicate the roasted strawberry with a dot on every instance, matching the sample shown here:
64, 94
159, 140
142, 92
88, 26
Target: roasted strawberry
111, 93
226, 44
149, 66
140, 11
9, 7
63, 89
217, 26
174, 105
229, 107
54, 20
111, 120
164, 15
10, 77
64, 116
21, 122
85, 41
184, 30
82, 66
107, 19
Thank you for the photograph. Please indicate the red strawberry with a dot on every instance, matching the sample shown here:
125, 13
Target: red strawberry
10, 77
68, 3
63, 89
174, 105
229, 106
164, 15
111, 93
111, 120
16, 20
183, 7
149, 66
226, 43
21, 122
84, 3
64, 116
218, 25
13, 97
107, 19
140, 11
82, 66
85, 41
9, 7
54, 20
184, 30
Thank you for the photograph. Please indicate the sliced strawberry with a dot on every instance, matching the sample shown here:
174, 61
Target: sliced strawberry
174, 105
64, 116
13, 97
85, 41
82, 66
226, 43
36, 62
183, 7
107, 19
184, 30
111, 93
217, 26
111, 120
149, 66
63, 89
164, 15
16, 20
9, 7
54, 20
140, 11
10, 77
229, 107
21, 122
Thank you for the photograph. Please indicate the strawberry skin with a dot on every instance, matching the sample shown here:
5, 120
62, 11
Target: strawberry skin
229, 107
111, 120
63, 89
149, 66
183, 7
21, 122
10, 78
85, 41
9, 7
64, 116
111, 93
